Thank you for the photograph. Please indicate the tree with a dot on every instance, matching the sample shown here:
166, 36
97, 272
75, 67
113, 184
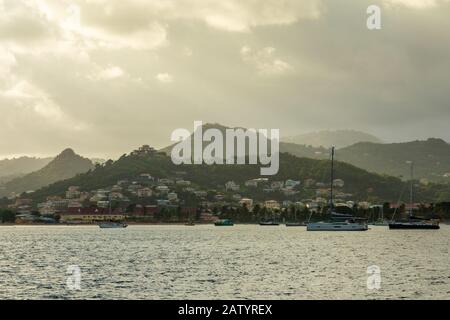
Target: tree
7, 216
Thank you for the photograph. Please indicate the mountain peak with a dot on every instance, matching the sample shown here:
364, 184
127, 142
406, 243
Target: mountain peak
437, 141
66, 165
66, 153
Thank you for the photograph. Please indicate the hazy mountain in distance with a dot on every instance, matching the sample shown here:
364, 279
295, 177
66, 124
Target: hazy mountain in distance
97, 161
64, 166
11, 168
431, 158
305, 151
337, 138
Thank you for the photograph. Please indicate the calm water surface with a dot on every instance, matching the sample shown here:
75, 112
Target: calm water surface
207, 262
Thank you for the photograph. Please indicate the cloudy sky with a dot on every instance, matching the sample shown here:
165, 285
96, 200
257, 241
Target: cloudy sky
105, 76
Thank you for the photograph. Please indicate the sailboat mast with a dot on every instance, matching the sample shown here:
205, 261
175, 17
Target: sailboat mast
411, 200
332, 179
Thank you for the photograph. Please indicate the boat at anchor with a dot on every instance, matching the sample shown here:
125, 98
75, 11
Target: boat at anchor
337, 221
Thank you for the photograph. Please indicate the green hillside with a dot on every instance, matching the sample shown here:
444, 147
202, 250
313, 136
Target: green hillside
359, 182
302, 151
64, 166
431, 158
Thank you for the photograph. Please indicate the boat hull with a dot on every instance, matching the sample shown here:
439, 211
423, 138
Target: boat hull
325, 226
413, 226
294, 224
112, 225
224, 223
268, 224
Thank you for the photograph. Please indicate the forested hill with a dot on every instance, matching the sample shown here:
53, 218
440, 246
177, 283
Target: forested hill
357, 181
431, 158
66, 165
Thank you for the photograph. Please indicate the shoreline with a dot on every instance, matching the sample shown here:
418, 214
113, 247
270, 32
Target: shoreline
447, 223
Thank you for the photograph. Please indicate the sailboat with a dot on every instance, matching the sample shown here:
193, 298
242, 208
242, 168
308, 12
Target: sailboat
338, 221
414, 222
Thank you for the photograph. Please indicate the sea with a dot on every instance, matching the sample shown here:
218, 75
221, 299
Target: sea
208, 262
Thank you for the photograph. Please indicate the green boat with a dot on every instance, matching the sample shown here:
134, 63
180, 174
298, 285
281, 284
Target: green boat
224, 223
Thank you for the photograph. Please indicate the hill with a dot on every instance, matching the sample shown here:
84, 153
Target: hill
431, 158
66, 165
12, 168
362, 184
338, 138
301, 151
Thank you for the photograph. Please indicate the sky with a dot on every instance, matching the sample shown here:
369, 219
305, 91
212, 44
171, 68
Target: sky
106, 76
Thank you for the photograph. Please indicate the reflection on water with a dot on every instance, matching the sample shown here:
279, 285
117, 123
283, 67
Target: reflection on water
207, 262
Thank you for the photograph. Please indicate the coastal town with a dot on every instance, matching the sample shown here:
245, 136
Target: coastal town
146, 198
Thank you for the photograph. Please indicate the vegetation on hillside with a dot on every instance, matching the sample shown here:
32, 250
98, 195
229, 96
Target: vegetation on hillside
362, 184
64, 166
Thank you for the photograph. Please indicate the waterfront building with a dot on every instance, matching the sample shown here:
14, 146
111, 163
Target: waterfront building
272, 204
90, 215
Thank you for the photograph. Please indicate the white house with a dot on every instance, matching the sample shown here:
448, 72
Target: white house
248, 202
183, 183
144, 192
339, 183
172, 196
272, 204
162, 189
251, 183
291, 183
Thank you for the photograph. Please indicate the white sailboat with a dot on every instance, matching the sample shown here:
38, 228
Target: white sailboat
338, 221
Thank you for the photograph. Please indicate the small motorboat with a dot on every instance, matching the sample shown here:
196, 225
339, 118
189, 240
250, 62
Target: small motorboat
269, 223
224, 223
112, 225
